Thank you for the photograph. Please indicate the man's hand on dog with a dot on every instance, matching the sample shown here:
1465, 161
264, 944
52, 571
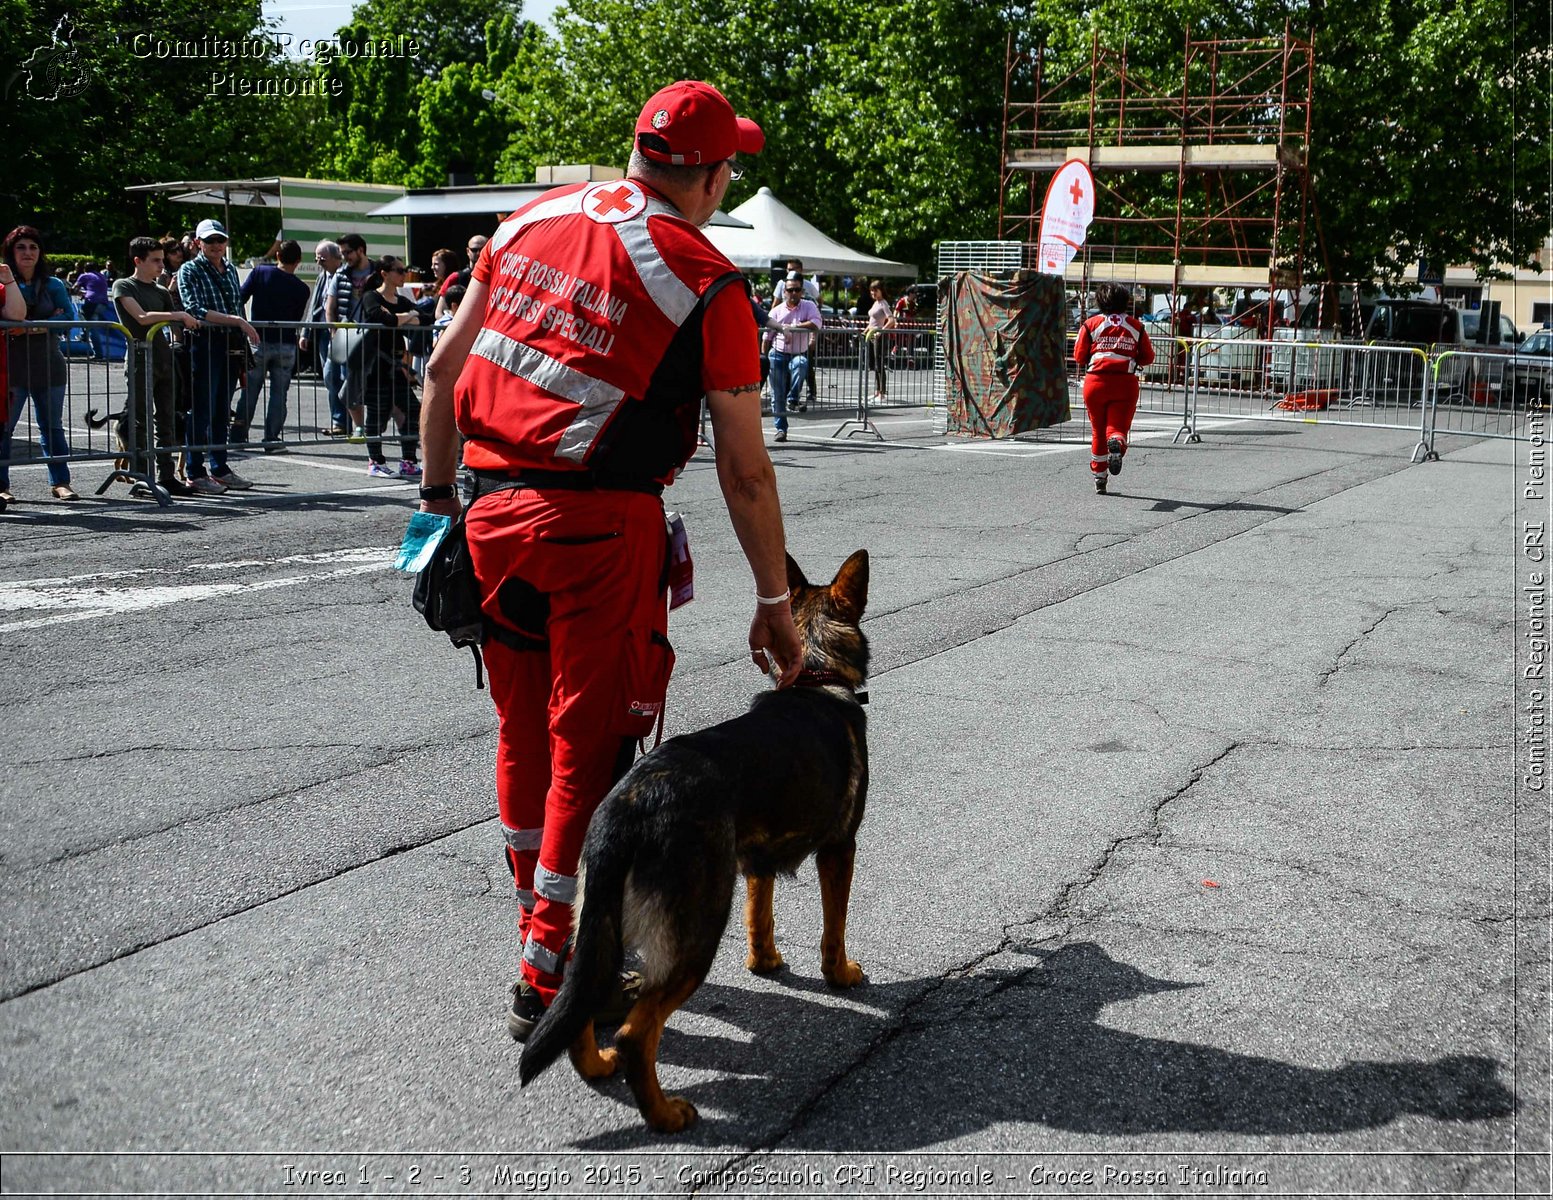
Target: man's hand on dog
774, 640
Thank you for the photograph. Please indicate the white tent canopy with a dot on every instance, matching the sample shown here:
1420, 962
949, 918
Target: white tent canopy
778, 232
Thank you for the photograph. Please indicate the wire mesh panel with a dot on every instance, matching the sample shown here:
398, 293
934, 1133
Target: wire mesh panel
979, 256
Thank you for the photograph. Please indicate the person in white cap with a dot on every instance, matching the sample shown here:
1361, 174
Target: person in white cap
209, 289
596, 319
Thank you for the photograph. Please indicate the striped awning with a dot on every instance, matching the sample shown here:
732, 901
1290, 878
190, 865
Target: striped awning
309, 210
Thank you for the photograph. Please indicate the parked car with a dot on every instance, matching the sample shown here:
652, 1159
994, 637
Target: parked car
1471, 327
1529, 373
1465, 370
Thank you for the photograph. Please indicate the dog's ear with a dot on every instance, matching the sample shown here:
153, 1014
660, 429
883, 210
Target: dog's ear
849, 590
795, 579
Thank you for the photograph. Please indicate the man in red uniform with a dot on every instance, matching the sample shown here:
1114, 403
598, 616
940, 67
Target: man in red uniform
595, 320
1111, 346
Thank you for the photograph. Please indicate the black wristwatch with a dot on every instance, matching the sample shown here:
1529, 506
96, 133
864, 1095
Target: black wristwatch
439, 491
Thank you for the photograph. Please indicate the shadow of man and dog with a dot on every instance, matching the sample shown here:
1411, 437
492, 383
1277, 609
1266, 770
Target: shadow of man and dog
1021, 1046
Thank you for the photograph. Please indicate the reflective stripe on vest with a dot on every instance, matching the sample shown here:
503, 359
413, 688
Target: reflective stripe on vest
561, 206
660, 287
666, 289
559, 889
1112, 356
595, 399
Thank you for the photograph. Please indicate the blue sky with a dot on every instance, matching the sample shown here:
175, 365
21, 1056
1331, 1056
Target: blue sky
315, 19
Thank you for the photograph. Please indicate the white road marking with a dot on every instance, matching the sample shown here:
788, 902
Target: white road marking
86, 598
354, 469
355, 554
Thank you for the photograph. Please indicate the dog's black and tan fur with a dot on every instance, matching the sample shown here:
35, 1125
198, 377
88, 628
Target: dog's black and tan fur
757, 794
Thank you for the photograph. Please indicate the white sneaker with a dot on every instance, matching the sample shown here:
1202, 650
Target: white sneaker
207, 486
232, 481
381, 470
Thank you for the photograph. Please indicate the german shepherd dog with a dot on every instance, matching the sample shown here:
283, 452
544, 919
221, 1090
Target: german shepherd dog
120, 421
757, 794
118, 418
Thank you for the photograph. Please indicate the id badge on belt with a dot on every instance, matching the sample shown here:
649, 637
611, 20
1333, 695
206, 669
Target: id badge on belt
681, 582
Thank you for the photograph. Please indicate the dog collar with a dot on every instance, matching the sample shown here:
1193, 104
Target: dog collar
807, 678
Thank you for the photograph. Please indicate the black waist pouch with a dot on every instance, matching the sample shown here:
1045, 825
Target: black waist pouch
447, 594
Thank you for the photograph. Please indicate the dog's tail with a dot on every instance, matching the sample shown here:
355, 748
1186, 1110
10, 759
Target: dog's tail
97, 422
591, 976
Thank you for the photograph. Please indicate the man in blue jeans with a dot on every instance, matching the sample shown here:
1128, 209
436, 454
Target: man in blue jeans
276, 295
207, 285
789, 334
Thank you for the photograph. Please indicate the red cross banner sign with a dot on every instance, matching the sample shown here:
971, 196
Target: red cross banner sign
1065, 217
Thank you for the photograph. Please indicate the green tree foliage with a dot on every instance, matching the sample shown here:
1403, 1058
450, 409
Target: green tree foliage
126, 114
910, 103
1431, 133
1431, 117
414, 119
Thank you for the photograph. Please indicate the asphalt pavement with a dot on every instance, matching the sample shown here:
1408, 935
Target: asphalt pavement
1206, 850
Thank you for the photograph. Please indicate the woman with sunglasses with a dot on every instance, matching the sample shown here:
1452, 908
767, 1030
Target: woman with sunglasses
387, 388
37, 367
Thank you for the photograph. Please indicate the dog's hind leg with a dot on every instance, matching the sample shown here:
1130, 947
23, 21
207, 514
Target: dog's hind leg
764, 957
590, 1061
834, 866
637, 1045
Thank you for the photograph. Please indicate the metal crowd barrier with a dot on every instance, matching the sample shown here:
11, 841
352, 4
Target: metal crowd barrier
1379, 385
82, 414
57, 415
843, 354
1485, 394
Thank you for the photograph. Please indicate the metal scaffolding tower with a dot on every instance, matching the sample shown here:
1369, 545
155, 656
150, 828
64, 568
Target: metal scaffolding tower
1201, 183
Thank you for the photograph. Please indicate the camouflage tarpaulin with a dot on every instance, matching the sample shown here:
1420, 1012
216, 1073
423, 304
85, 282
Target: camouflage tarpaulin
1005, 353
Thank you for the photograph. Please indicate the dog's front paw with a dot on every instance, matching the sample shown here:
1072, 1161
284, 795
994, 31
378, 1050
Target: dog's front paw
673, 1115
763, 962
843, 974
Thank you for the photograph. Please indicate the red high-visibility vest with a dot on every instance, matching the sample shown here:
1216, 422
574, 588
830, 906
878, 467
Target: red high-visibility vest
1113, 343
581, 363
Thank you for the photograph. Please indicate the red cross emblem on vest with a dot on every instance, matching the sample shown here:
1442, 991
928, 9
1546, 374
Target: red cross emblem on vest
613, 202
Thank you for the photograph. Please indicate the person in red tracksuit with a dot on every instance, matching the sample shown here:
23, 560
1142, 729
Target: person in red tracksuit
596, 319
1111, 346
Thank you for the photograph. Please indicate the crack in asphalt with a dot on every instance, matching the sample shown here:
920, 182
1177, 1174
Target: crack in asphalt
1326, 674
155, 943
1010, 616
1059, 909
205, 749
391, 755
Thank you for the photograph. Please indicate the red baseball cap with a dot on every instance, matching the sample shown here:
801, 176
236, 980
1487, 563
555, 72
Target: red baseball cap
699, 125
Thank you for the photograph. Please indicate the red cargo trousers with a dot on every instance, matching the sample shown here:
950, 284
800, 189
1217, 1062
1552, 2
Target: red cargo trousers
1111, 399
581, 575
